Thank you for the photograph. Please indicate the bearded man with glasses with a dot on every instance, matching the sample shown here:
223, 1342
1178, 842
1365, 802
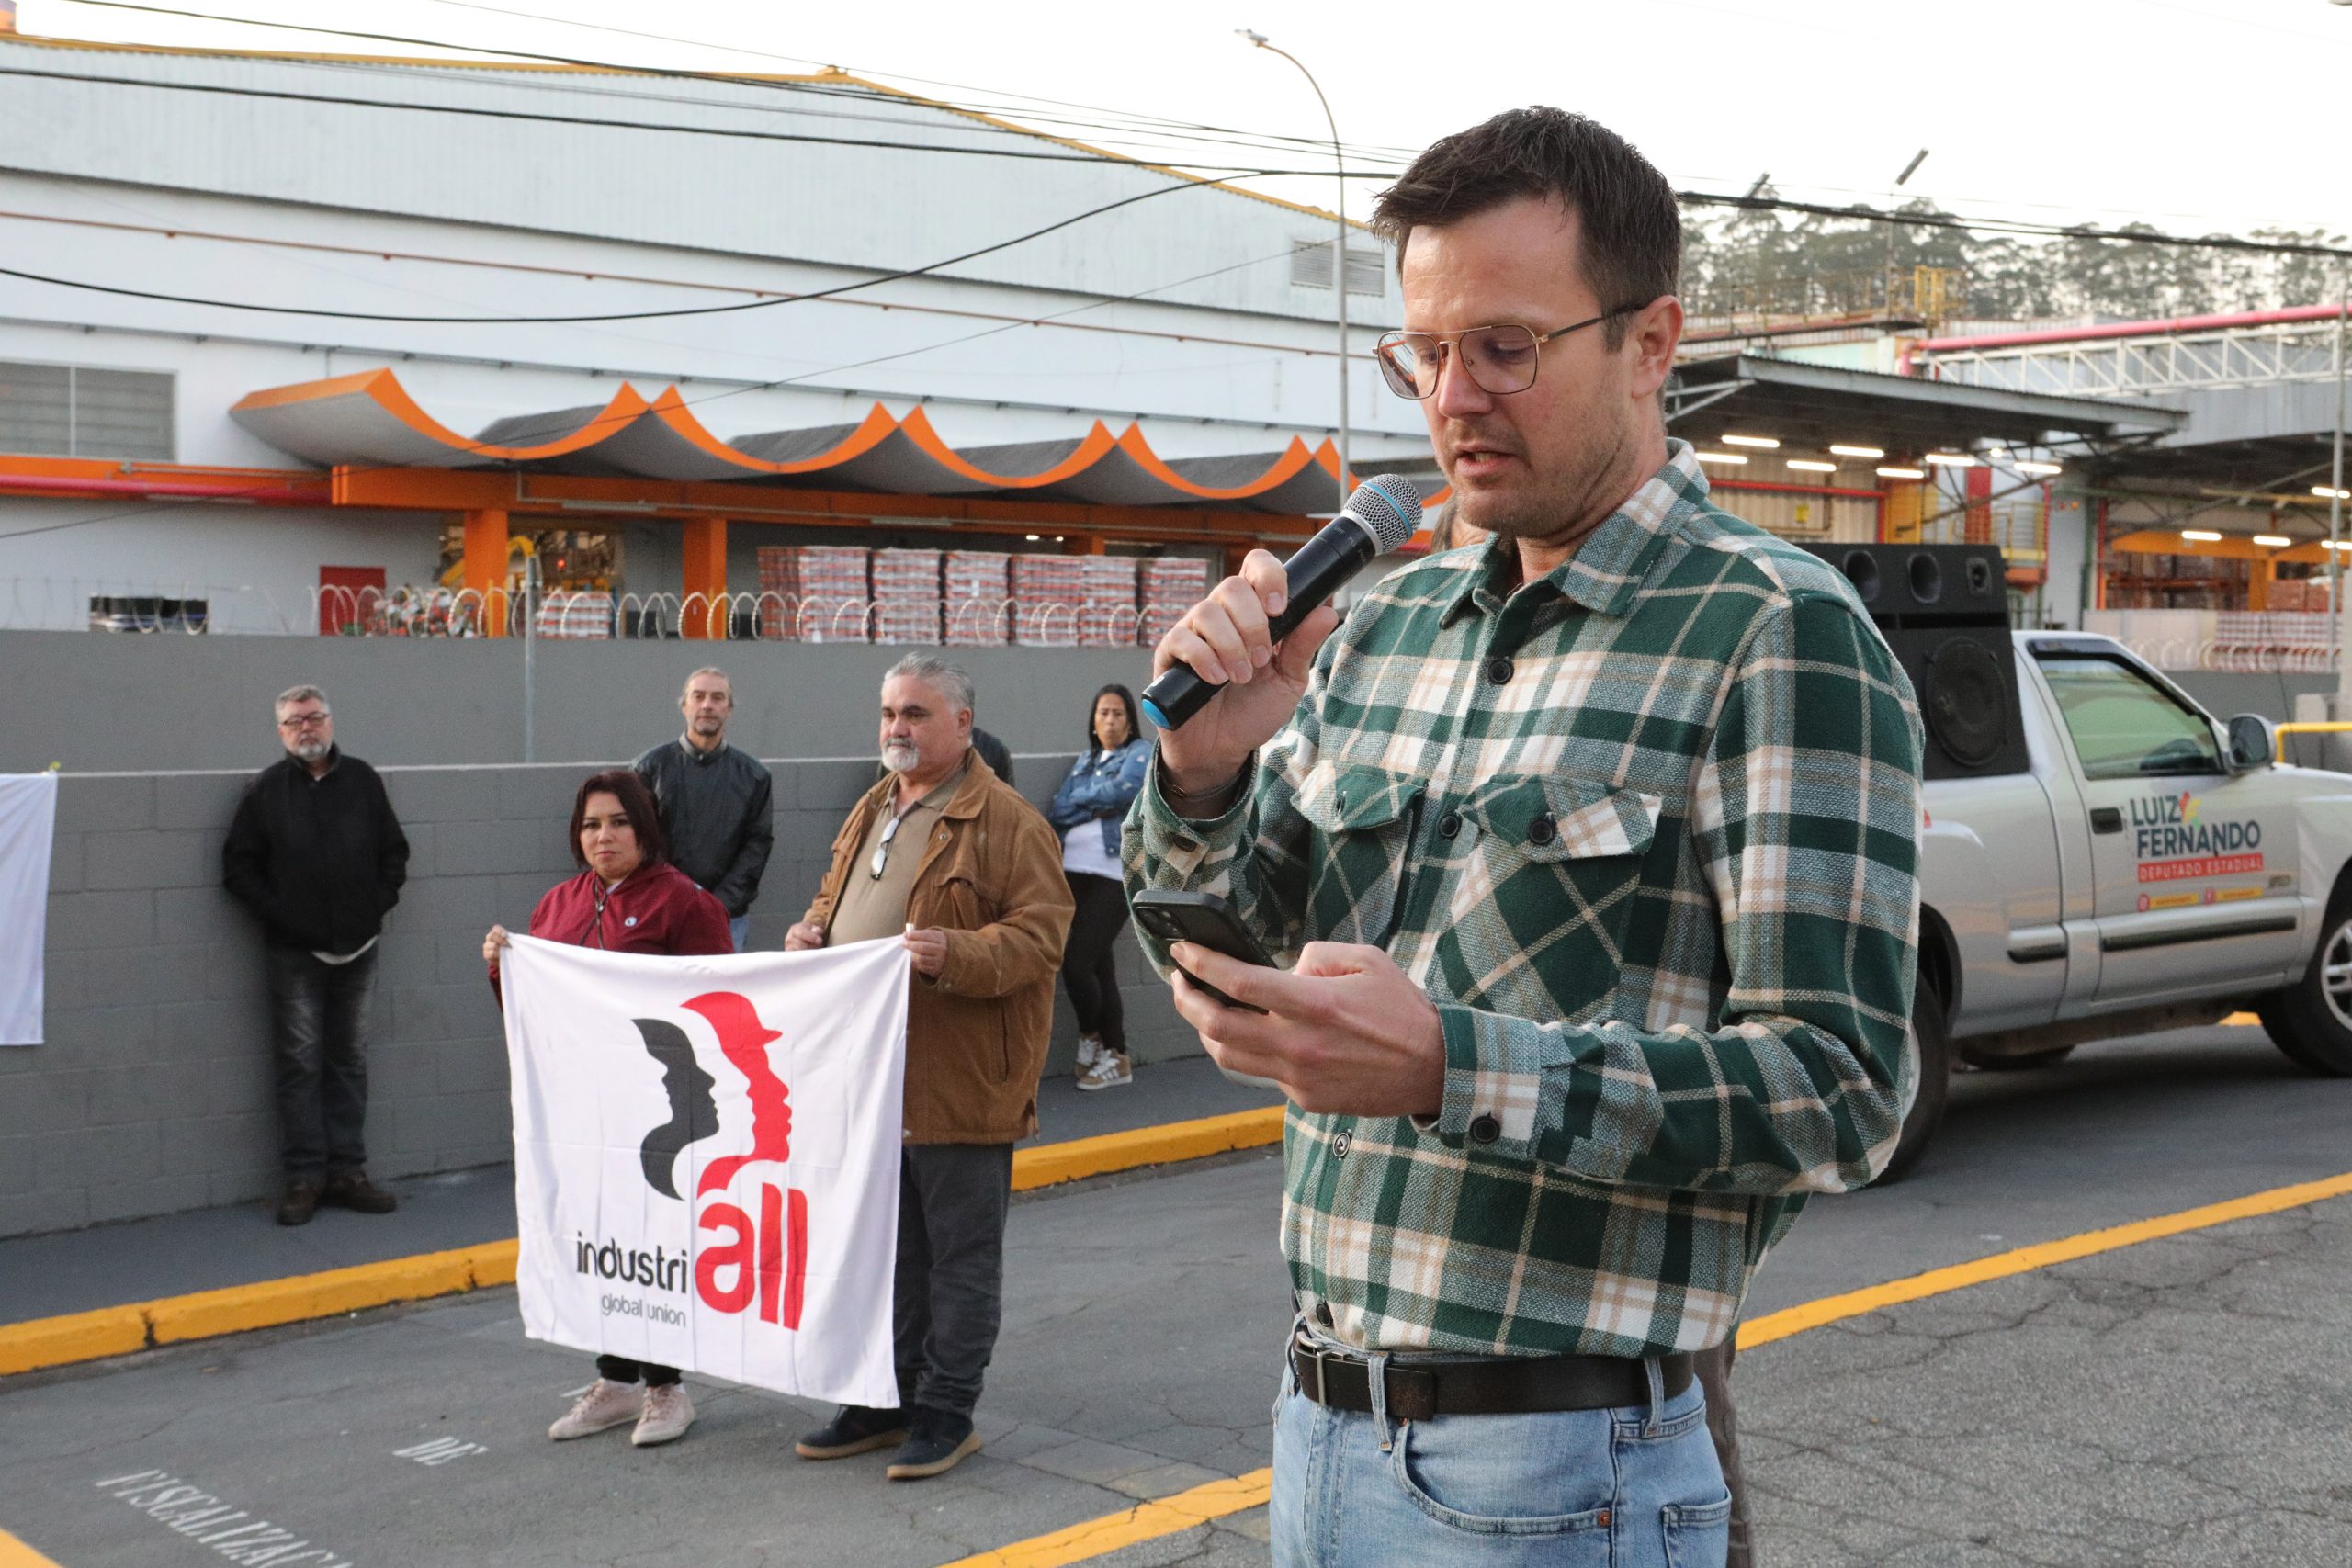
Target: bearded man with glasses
1593, 853
317, 854
947, 859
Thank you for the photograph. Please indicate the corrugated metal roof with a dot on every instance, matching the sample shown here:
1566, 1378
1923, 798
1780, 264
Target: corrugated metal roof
882, 208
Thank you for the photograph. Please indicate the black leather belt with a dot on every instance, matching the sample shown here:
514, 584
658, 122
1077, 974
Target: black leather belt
1501, 1385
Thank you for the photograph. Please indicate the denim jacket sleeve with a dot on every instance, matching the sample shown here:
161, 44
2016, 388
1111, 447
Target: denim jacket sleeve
1067, 811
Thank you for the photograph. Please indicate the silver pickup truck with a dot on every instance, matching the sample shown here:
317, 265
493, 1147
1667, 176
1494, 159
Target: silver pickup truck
2139, 866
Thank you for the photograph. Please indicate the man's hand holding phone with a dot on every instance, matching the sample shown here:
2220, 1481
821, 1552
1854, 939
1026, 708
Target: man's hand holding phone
1346, 1033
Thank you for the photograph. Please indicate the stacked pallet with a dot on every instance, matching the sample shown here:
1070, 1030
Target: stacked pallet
1047, 593
1106, 616
813, 592
977, 589
905, 596
1171, 586
581, 615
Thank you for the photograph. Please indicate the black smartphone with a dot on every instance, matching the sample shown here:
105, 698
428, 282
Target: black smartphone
1203, 919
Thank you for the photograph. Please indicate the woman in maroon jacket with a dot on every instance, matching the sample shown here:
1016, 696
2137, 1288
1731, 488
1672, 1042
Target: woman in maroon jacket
626, 898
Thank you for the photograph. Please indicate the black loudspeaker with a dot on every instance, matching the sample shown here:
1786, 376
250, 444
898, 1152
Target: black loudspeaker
1944, 609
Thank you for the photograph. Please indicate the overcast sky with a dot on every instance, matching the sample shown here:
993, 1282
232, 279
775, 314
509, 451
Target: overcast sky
2199, 115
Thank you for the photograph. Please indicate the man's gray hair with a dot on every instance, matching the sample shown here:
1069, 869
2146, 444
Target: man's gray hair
949, 681
709, 670
303, 694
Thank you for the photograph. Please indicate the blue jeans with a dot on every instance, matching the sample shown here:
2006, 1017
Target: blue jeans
1633, 1487
739, 928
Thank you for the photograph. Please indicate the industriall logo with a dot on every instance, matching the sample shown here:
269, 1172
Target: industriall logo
764, 1256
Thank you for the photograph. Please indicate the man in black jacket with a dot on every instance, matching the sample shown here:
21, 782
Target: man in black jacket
714, 800
316, 853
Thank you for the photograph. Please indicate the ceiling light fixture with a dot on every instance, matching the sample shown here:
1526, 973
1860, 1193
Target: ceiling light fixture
2325, 493
1813, 466
1766, 441
2201, 535
1873, 452
2039, 468
2273, 541
1951, 459
1903, 473
1721, 458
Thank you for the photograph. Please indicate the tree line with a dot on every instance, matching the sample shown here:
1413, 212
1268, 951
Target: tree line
1753, 261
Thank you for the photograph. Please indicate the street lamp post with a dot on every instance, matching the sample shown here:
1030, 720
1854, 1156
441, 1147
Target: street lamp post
1339, 246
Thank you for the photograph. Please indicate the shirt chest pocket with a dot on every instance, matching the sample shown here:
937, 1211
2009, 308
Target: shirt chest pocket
1363, 815
1547, 872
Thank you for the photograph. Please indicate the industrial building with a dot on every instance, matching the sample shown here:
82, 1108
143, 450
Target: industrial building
346, 344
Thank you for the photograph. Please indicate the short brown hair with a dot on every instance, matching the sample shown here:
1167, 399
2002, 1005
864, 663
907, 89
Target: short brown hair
636, 800
1631, 228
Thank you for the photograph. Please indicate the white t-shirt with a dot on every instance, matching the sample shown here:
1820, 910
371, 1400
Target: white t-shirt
1082, 852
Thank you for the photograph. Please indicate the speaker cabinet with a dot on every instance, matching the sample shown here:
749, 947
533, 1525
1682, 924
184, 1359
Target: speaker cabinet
1944, 610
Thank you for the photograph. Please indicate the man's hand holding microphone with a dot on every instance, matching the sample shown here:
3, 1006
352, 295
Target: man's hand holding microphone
1346, 1031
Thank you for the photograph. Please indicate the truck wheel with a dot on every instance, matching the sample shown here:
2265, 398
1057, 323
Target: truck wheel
2014, 1063
2311, 1020
1931, 1049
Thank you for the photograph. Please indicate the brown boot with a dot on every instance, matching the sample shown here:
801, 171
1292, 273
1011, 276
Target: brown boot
301, 1201
351, 1190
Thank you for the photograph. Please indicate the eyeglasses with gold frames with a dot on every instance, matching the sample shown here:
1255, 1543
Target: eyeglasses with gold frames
1498, 360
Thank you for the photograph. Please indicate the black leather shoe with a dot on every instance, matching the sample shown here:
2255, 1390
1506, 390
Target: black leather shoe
856, 1429
351, 1190
301, 1201
941, 1440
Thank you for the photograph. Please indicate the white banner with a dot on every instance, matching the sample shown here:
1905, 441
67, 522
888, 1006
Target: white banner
28, 825
707, 1158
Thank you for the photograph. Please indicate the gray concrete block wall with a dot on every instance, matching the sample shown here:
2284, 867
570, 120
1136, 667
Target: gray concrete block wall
153, 1092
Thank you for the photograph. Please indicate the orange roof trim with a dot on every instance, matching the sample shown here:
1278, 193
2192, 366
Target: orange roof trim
371, 419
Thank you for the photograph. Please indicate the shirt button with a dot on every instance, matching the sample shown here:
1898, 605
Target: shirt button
1486, 1130
1323, 1313
1542, 830
1499, 670
1339, 1144
1449, 825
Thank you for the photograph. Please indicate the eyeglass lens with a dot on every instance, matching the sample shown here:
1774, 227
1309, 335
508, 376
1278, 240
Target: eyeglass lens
1498, 360
882, 848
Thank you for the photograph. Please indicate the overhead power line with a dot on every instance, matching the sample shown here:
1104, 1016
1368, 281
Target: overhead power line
608, 315
729, 133
546, 57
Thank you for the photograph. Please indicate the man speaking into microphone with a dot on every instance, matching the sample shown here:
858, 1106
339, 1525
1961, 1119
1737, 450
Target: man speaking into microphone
1593, 855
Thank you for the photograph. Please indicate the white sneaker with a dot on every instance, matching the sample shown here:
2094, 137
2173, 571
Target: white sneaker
607, 1404
1090, 1050
1110, 1070
668, 1413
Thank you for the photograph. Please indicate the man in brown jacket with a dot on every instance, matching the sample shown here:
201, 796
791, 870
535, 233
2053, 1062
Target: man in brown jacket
961, 869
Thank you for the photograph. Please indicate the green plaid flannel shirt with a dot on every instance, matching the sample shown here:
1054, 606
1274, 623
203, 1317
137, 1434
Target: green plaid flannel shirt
1645, 831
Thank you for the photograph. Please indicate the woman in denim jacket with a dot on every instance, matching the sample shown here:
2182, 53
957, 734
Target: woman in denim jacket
1087, 812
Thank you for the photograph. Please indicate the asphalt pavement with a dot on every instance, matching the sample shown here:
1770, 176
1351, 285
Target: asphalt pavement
2176, 1403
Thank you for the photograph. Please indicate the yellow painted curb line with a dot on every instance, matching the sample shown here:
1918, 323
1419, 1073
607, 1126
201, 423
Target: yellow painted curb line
118, 1331
1048, 1165
2025, 1259
115, 1331
15, 1553
1145, 1521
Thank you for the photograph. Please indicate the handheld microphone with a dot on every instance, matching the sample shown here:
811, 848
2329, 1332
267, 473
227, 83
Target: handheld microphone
1380, 516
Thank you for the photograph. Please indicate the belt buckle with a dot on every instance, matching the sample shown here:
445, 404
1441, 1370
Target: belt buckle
1315, 1354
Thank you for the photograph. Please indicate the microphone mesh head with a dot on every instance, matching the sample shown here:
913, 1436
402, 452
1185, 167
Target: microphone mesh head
1390, 505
